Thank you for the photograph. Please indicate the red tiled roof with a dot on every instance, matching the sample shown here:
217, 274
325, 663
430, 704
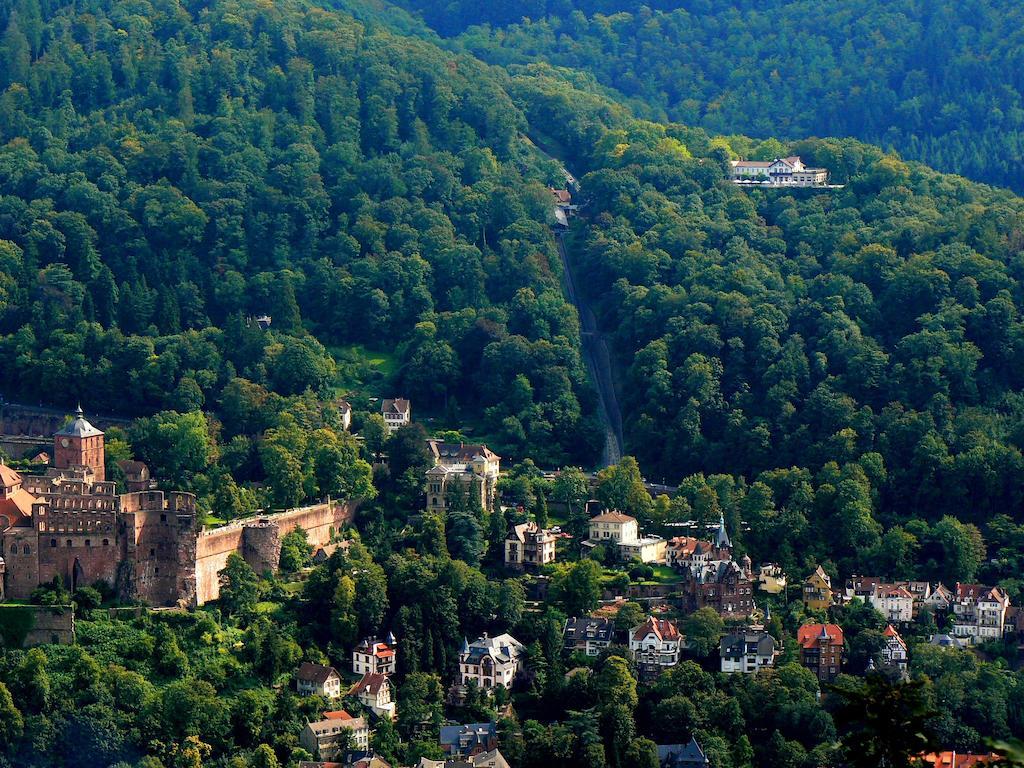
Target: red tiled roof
16, 510
890, 631
686, 545
380, 650
338, 714
958, 759
979, 592
8, 476
662, 628
809, 634
889, 590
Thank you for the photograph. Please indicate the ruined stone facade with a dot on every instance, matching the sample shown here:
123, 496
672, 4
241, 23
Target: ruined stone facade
144, 543
82, 531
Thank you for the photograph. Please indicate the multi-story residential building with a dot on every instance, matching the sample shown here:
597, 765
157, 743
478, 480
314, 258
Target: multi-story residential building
979, 612
683, 550
462, 468
818, 590
468, 740
862, 587
492, 661
711, 578
893, 602
613, 527
326, 739
397, 413
771, 578
529, 546
689, 755
621, 532
375, 656
747, 652
821, 649
782, 171
374, 691
919, 590
647, 549
724, 585
656, 645
318, 680
939, 601
588, 635
490, 759
894, 653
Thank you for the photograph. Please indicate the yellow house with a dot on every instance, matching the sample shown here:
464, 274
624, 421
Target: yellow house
818, 591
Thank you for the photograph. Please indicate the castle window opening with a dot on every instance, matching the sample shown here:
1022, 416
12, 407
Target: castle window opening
88, 543
53, 542
26, 550
106, 542
152, 552
68, 542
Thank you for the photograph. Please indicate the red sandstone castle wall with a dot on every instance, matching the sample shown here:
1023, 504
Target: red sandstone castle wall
21, 561
261, 546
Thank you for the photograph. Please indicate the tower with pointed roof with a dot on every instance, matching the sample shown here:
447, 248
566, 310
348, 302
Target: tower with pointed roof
722, 536
79, 444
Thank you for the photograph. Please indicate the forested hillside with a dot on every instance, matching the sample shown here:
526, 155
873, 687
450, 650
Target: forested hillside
168, 170
940, 82
839, 369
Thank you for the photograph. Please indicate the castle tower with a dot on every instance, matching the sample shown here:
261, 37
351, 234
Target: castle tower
721, 537
79, 444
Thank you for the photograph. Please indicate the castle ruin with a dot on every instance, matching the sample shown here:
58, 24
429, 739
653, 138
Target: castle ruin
71, 523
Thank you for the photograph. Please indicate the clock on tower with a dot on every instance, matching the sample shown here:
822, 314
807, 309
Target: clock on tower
79, 444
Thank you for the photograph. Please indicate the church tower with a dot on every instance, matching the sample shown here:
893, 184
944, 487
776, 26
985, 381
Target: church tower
79, 444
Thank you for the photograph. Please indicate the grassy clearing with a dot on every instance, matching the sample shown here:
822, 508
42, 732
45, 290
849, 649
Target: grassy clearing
371, 371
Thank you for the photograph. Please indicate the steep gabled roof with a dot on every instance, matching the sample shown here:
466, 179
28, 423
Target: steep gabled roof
820, 573
890, 631
317, 674
892, 590
662, 629
809, 635
372, 682
398, 406
8, 477
688, 755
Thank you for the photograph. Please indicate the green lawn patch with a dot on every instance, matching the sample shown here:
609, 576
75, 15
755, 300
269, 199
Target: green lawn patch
664, 574
371, 371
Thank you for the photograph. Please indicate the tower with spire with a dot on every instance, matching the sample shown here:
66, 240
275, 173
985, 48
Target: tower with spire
79, 444
722, 541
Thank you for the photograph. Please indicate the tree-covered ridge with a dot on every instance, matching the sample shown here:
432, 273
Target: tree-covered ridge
167, 169
857, 353
939, 82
